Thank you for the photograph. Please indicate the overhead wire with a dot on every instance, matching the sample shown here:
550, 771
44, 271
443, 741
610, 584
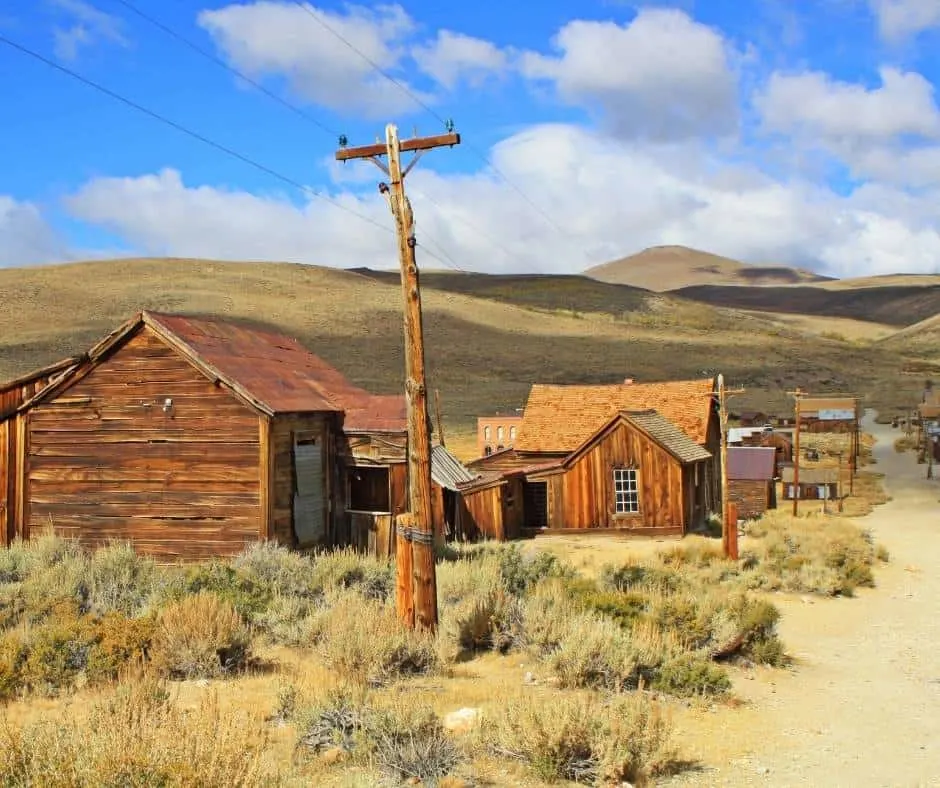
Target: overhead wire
189, 132
175, 34
433, 112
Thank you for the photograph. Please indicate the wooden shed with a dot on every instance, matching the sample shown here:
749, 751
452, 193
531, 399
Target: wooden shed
559, 419
751, 479
193, 437
829, 414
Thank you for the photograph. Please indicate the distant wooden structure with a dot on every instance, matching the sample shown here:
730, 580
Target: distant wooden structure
816, 484
752, 483
829, 414
637, 472
192, 438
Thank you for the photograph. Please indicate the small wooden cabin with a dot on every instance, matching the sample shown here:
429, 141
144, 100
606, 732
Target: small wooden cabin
751, 480
192, 437
558, 419
829, 414
639, 472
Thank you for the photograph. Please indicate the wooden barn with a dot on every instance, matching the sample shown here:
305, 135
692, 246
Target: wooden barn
752, 479
829, 414
638, 472
193, 437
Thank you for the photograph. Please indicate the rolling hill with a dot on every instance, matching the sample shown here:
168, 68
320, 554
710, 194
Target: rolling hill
663, 268
488, 338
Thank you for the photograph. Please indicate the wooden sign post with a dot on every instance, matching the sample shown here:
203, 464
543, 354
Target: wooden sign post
416, 582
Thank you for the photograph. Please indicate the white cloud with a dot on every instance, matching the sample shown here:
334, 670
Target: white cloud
25, 236
815, 103
455, 56
899, 19
611, 198
89, 26
664, 76
269, 38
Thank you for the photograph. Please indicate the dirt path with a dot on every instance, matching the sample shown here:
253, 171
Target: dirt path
862, 707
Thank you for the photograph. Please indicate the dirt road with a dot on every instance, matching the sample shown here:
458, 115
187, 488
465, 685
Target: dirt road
862, 706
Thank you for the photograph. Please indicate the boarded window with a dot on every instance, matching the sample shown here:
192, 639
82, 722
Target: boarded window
369, 489
626, 491
309, 494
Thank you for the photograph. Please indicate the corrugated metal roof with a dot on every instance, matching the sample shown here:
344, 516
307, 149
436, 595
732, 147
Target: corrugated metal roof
751, 463
668, 435
279, 372
447, 470
559, 418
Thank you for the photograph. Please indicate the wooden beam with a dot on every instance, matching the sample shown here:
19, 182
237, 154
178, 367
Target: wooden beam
414, 144
266, 476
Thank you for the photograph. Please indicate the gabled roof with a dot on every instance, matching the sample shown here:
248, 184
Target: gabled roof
559, 418
271, 371
659, 429
751, 463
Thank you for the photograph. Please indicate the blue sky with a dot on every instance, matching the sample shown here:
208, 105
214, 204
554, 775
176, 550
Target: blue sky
775, 132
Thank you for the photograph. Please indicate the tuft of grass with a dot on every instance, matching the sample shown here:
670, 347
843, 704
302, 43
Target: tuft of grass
119, 580
200, 636
343, 569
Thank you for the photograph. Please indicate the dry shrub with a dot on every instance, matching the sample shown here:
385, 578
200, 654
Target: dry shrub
284, 572
404, 740
200, 636
343, 569
120, 580
364, 642
476, 610
138, 737
817, 554
291, 621
625, 739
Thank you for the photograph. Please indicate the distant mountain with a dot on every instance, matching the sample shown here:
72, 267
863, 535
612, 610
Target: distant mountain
662, 268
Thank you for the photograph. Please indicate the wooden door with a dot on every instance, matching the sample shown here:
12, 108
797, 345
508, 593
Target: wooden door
309, 492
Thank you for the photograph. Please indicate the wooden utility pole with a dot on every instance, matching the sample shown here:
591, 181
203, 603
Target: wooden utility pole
798, 394
440, 421
726, 511
416, 582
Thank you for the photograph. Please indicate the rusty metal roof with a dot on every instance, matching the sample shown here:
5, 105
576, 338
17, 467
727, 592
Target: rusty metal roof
559, 418
278, 372
751, 463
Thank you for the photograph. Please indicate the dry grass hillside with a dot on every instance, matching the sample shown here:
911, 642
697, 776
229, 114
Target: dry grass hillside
488, 338
662, 268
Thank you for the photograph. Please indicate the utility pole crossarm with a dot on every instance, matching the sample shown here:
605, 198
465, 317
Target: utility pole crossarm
413, 144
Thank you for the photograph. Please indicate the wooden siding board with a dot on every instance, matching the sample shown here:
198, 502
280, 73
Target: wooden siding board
112, 464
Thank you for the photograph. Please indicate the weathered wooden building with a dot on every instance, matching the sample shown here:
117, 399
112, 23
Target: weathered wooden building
638, 472
816, 484
752, 484
558, 419
829, 414
192, 437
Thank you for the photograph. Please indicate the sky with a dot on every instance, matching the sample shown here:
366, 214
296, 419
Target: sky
796, 132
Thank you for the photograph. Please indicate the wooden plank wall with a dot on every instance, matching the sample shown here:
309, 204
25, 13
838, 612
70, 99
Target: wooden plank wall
283, 430
105, 461
12, 427
586, 489
482, 513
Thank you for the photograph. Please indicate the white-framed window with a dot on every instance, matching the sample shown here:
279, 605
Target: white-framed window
499, 434
486, 433
626, 491
512, 433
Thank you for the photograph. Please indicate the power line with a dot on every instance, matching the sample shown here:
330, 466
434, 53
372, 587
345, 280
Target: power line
311, 119
422, 103
221, 63
189, 132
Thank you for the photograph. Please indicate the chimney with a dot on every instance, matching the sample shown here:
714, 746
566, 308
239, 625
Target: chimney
628, 381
